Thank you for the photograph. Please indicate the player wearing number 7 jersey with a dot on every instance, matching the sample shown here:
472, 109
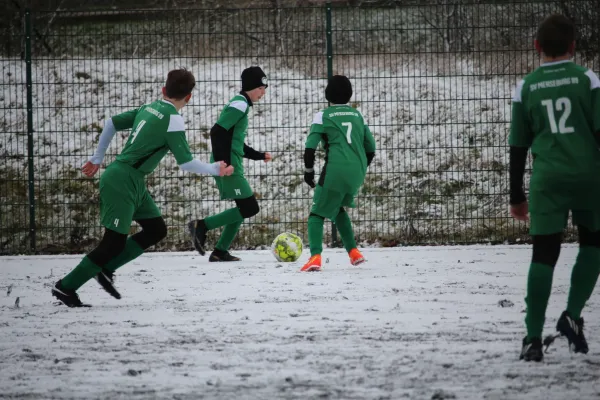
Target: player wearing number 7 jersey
556, 114
349, 149
157, 128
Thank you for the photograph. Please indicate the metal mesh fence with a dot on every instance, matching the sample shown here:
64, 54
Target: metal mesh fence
434, 82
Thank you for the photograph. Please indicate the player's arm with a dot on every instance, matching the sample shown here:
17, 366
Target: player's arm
252, 154
312, 142
519, 140
518, 159
180, 148
108, 132
221, 134
111, 126
369, 145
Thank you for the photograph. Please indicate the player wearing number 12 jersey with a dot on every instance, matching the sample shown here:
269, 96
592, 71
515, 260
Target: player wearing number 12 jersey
349, 148
157, 128
556, 114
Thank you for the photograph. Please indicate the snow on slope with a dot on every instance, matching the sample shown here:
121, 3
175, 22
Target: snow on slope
439, 168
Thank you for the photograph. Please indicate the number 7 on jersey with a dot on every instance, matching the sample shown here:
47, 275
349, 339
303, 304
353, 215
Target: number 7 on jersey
348, 126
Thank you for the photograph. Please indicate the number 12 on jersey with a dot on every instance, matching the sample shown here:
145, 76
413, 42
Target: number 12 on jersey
562, 104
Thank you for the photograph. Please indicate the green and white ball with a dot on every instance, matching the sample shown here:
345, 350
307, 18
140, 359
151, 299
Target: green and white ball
287, 247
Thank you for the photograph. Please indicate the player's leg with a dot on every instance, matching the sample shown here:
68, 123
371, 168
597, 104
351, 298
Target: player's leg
326, 204
148, 216
585, 272
199, 228
117, 207
344, 226
230, 188
546, 233
315, 242
247, 208
154, 229
583, 280
546, 250
110, 246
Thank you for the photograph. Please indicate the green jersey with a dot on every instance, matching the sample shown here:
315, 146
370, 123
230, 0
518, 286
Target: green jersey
234, 119
556, 112
156, 128
346, 139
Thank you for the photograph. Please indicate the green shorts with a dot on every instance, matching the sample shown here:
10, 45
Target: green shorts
233, 187
327, 202
549, 209
124, 198
549, 223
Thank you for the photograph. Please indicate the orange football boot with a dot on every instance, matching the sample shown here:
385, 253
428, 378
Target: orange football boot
356, 257
313, 264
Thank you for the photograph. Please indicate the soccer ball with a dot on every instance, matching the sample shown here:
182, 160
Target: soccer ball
287, 247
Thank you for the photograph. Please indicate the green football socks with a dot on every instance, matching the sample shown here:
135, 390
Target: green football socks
131, 251
583, 279
344, 227
315, 234
82, 273
87, 269
227, 217
232, 220
228, 234
539, 286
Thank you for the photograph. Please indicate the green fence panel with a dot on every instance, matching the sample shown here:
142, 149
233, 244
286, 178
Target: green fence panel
433, 79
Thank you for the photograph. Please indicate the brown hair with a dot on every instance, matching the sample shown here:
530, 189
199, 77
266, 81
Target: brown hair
555, 35
180, 83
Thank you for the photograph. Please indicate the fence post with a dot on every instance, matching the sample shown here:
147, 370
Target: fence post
329, 40
329, 75
30, 165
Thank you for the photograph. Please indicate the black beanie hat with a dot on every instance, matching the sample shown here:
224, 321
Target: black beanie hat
252, 78
338, 90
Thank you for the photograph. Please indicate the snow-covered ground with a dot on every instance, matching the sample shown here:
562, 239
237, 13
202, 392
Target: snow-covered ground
413, 323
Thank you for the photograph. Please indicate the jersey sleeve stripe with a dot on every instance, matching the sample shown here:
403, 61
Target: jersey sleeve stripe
176, 124
594, 81
318, 118
517, 94
240, 105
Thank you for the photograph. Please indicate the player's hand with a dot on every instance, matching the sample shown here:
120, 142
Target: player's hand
309, 178
224, 169
90, 169
268, 157
520, 212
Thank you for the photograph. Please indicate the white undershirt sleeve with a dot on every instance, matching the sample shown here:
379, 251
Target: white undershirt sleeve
108, 132
199, 167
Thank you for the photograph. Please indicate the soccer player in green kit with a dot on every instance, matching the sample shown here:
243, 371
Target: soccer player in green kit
350, 148
157, 128
228, 137
556, 114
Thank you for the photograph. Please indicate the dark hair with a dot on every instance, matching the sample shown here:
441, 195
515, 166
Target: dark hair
180, 83
338, 90
555, 35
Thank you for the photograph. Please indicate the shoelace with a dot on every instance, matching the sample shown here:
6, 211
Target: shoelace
549, 340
